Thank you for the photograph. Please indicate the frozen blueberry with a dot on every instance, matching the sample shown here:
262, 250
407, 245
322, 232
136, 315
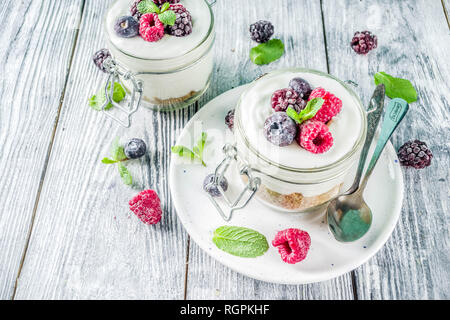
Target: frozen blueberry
301, 86
279, 129
126, 27
208, 185
135, 148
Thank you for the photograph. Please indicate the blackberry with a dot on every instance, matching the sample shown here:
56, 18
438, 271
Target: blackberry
99, 57
126, 27
415, 154
363, 42
183, 24
135, 148
208, 185
261, 31
229, 119
134, 11
160, 2
279, 129
301, 86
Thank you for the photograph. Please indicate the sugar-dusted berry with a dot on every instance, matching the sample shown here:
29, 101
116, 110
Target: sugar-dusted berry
279, 129
315, 137
363, 42
150, 27
285, 98
292, 244
415, 154
332, 105
183, 23
147, 206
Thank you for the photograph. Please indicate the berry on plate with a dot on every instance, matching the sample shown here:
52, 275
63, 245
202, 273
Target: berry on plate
183, 23
99, 57
285, 98
331, 106
126, 27
229, 119
279, 129
261, 31
292, 244
150, 27
363, 42
147, 206
314, 136
301, 86
415, 154
209, 187
135, 148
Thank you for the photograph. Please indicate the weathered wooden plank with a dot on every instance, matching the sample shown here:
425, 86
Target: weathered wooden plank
299, 25
37, 42
413, 43
85, 241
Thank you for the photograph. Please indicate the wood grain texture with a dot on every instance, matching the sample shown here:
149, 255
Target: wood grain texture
208, 279
86, 243
414, 263
37, 38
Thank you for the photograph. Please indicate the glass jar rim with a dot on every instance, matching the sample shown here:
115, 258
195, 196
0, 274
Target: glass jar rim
358, 144
207, 36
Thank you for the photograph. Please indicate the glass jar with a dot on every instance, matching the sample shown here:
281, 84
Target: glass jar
296, 189
167, 83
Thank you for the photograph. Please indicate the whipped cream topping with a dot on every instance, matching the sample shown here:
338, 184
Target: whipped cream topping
255, 107
169, 46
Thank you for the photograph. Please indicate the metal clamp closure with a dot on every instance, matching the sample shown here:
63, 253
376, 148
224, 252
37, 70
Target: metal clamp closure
251, 187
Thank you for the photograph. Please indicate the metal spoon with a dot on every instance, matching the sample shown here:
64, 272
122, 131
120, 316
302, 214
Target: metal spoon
349, 217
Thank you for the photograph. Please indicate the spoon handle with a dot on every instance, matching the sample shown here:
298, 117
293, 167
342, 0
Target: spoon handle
395, 111
375, 109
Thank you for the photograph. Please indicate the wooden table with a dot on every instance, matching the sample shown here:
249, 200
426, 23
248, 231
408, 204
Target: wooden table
65, 228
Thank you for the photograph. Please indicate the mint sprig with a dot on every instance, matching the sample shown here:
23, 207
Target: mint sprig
166, 16
267, 52
118, 156
196, 152
240, 241
311, 109
124, 174
396, 87
97, 100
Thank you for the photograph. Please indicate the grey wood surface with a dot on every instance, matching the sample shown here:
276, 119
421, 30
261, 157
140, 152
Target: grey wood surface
65, 214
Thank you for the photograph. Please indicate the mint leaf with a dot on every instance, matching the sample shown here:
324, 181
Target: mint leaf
165, 6
267, 52
396, 87
196, 152
241, 242
308, 112
108, 161
183, 151
147, 6
168, 17
117, 151
124, 174
97, 100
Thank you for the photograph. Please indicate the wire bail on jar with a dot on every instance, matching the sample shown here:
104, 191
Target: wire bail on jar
252, 185
116, 72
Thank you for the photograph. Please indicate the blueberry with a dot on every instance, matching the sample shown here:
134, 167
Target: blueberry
126, 27
279, 129
301, 86
135, 148
208, 185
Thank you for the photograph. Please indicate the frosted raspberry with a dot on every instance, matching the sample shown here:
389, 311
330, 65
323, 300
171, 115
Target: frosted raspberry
150, 27
293, 244
332, 105
285, 98
147, 206
314, 136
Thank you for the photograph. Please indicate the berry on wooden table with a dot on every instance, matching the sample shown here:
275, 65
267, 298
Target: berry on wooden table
146, 206
261, 31
315, 137
415, 154
363, 42
135, 148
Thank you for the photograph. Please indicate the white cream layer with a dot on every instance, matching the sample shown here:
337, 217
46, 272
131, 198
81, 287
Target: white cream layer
256, 107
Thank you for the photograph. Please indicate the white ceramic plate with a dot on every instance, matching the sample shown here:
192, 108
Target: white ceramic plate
327, 257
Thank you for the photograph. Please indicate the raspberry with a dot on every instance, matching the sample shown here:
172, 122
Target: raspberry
99, 57
363, 42
293, 244
415, 154
261, 31
183, 23
314, 136
285, 98
332, 105
151, 28
279, 129
147, 206
229, 119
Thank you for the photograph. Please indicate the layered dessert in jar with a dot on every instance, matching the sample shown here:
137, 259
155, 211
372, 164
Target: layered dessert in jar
301, 132
166, 44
